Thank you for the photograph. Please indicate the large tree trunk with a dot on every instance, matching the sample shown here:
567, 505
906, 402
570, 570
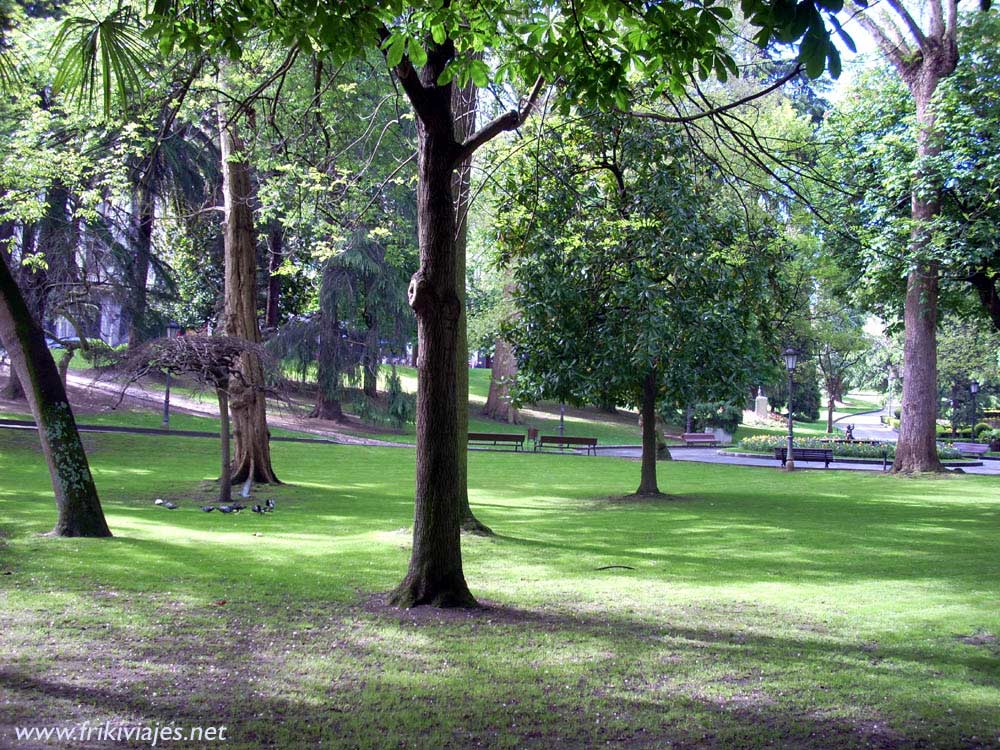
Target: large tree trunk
275, 257
143, 213
502, 374
80, 512
248, 403
647, 481
435, 575
916, 450
830, 404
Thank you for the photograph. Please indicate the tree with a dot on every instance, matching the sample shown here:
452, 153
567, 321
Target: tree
633, 280
252, 459
79, 507
428, 47
213, 361
922, 58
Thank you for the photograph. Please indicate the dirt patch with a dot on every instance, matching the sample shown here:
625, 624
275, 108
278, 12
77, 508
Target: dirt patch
637, 499
979, 638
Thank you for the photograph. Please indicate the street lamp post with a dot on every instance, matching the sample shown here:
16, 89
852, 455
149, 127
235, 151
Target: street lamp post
173, 329
973, 389
791, 359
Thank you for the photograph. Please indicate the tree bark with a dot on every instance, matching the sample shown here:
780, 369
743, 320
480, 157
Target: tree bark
916, 450
647, 482
370, 358
226, 469
829, 415
275, 257
502, 374
252, 457
464, 107
143, 214
435, 576
79, 507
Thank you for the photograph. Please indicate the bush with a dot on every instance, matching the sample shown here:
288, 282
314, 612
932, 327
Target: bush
980, 428
402, 407
99, 354
767, 444
719, 414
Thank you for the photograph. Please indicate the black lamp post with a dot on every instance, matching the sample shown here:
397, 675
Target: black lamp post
973, 389
173, 330
791, 359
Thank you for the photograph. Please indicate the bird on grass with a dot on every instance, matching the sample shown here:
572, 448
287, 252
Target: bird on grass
208, 508
237, 507
170, 506
230, 508
257, 509
158, 501
269, 504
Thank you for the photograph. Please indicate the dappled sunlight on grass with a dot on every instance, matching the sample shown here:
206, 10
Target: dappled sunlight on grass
760, 607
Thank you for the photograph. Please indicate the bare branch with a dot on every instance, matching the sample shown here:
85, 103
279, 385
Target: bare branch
507, 121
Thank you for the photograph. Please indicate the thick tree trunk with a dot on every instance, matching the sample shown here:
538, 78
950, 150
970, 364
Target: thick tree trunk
327, 408
831, 403
252, 457
502, 374
80, 512
275, 257
647, 482
13, 390
435, 575
916, 450
225, 472
143, 214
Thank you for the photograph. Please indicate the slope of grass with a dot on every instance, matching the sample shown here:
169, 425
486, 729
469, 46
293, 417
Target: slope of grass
811, 610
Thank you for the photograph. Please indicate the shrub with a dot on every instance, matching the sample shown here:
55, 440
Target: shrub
402, 407
980, 428
719, 414
767, 444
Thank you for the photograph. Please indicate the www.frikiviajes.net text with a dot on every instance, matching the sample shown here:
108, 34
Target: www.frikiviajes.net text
153, 734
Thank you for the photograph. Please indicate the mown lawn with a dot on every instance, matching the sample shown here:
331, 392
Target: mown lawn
811, 610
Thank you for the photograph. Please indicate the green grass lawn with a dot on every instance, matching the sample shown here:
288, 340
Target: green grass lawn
811, 610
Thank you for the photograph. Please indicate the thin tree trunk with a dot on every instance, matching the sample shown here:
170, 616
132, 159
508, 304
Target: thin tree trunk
143, 214
33, 281
647, 482
80, 512
464, 106
829, 415
435, 574
370, 358
247, 396
275, 257
225, 473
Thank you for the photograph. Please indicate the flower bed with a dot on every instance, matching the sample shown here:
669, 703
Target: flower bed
767, 444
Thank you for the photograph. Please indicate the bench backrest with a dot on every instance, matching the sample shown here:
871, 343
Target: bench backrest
698, 436
511, 436
545, 439
971, 447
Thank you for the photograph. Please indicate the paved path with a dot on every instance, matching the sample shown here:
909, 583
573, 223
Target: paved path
868, 426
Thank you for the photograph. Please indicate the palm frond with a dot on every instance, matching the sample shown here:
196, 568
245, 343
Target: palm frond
107, 53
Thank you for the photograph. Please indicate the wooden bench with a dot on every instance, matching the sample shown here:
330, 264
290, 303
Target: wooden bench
971, 449
497, 438
567, 442
699, 438
805, 454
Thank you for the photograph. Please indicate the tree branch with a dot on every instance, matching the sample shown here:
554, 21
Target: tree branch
725, 107
507, 121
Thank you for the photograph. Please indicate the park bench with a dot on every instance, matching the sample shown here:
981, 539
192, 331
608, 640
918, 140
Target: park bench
497, 438
555, 441
699, 438
805, 454
971, 449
